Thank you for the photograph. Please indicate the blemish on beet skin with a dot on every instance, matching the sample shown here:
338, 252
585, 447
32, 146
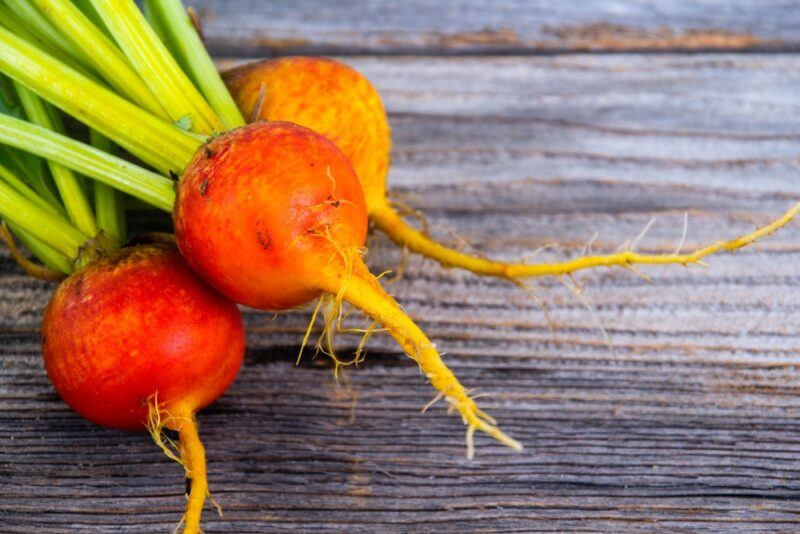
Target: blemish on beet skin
263, 239
77, 288
204, 188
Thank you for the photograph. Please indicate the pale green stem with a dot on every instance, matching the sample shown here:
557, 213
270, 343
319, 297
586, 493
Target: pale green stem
52, 230
40, 26
91, 13
176, 26
108, 204
156, 66
107, 201
106, 57
78, 209
151, 19
89, 161
47, 255
35, 180
10, 21
27, 167
25, 190
151, 139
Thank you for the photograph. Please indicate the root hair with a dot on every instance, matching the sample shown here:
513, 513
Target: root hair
335, 313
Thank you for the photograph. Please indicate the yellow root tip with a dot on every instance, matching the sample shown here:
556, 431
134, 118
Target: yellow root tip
189, 452
388, 220
362, 290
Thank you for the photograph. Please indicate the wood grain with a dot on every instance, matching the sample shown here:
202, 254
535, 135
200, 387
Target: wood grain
688, 422
500, 27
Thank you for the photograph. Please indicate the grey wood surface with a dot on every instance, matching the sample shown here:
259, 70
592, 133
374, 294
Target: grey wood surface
497, 26
687, 422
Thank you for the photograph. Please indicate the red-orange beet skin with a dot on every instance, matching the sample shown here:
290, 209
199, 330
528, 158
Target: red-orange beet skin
329, 97
135, 324
252, 209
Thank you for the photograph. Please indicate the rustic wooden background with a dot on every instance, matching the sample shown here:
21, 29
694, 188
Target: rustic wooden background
517, 124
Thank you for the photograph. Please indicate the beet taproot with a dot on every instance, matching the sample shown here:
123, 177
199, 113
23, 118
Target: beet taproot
273, 215
136, 340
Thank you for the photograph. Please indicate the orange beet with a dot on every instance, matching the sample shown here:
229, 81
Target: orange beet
136, 324
262, 210
330, 98
139, 327
335, 100
272, 215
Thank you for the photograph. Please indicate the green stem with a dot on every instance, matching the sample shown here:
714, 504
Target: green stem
28, 167
33, 179
177, 28
78, 209
84, 159
154, 141
52, 230
47, 255
154, 23
106, 57
108, 203
10, 21
41, 27
156, 66
25, 190
91, 13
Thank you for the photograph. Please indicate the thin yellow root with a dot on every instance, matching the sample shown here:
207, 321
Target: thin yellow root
333, 315
333, 318
194, 454
362, 290
389, 221
189, 452
309, 328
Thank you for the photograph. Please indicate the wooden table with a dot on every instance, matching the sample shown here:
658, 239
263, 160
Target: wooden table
517, 124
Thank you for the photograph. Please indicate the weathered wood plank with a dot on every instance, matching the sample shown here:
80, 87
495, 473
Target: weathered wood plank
610, 445
706, 120
501, 26
690, 421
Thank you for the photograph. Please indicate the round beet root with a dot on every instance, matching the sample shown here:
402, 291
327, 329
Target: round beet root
137, 324
263, 211
137, 340
272, 215
329, 97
